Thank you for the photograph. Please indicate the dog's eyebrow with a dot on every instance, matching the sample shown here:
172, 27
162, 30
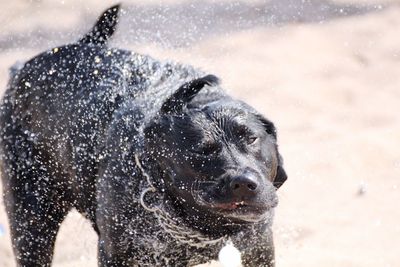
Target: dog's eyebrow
228, 119
241, 129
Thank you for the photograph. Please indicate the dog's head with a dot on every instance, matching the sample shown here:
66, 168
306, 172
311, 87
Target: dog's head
218, 158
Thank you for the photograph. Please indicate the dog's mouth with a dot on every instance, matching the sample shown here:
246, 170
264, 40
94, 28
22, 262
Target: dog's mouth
241, 206
238, 205
242, 210
231, 205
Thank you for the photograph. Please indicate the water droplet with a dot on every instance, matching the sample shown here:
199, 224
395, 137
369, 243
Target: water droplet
362, 189
229, 256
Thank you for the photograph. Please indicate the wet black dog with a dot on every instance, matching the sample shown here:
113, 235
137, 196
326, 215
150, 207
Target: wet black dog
164, 163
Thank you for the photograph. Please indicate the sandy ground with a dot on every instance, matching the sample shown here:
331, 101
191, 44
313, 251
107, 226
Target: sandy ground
331, 86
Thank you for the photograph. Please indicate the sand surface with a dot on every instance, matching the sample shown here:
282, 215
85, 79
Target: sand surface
326, 72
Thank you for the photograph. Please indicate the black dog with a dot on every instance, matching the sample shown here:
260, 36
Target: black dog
167, 167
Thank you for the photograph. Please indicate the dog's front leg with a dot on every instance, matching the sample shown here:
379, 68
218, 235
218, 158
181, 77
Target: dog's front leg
113, 216
118, 210
107, 259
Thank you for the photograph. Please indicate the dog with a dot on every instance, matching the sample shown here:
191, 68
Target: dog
167, 167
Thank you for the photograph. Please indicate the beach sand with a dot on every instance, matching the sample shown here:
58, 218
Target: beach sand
330, 85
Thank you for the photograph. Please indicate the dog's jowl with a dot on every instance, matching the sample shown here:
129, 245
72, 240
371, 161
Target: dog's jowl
166, 166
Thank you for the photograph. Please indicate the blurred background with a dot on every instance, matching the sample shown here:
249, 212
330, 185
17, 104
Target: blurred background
326, 72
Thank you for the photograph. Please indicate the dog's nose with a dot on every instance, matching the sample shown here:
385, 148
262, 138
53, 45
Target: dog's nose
244, 185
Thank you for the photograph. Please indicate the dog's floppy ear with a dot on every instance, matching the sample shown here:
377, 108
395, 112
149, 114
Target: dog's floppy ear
268, 125
281, 175
186, 93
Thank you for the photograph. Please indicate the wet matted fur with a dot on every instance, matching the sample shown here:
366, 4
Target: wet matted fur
166, 165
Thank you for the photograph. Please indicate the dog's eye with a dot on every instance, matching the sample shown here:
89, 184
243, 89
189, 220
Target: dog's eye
246, 135
251, 140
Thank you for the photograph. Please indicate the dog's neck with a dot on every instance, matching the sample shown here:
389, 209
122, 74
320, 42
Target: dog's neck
154, 200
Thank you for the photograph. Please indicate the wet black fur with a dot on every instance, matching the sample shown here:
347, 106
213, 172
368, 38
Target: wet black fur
73, 119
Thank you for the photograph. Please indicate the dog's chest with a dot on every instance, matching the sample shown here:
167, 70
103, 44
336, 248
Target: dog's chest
167, 251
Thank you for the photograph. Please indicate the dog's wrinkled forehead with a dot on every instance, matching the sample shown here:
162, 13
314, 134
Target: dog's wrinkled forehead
213, 122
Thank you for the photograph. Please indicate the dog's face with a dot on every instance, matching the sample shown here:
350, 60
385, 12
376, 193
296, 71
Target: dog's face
220, 158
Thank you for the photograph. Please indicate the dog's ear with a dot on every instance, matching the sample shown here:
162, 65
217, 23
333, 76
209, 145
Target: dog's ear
186, 93
281, 175
268, 125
